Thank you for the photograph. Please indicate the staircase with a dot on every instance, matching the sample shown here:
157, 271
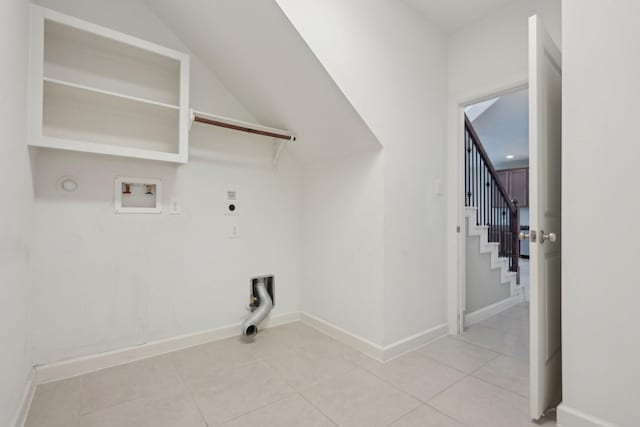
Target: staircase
492, 224
494, 210
498, 263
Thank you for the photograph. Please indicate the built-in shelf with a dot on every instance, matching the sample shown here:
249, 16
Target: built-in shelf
109, 93
96, 90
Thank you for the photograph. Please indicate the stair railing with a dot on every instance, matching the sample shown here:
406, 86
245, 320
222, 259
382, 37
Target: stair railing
485, 191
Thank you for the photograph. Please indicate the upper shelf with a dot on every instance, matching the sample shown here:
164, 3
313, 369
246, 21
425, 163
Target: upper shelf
95, 60
96, 90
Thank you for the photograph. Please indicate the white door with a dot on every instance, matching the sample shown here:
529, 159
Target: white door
545, 132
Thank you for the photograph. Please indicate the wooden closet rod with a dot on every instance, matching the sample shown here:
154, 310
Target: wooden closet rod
240, 126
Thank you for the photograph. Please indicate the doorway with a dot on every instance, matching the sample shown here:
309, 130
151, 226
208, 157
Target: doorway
494, 304
500, 237
496, 205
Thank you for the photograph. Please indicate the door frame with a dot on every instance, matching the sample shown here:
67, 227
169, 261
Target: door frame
456, 243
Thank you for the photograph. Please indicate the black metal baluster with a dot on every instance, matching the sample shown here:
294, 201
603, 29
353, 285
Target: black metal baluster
477, 186
466, 167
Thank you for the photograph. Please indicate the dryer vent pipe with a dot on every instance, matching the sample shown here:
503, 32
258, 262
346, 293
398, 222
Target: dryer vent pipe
250, 325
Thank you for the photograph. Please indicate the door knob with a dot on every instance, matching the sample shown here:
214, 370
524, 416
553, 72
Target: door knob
550, 237
523, 236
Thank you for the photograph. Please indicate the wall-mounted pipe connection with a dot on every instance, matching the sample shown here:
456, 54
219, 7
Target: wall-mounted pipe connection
262, 303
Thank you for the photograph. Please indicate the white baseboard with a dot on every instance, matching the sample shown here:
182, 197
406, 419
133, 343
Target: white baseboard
491, 310
25, 403
408, 344
570, 417
365, 346
82, 365
378, 352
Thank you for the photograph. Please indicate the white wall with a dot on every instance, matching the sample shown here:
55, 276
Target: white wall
600, 339
17, 202
391, 66
106, 281
484, 59
343, 247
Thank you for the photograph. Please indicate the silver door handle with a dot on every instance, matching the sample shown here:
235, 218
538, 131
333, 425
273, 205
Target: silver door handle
550, 237
523, 236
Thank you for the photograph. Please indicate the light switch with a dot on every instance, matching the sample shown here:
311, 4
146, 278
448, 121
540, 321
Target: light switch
437, 187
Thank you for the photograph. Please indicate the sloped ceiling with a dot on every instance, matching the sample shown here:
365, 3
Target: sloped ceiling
253, 48
503, 129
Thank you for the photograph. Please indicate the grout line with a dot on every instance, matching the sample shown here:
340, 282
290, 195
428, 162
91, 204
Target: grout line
318, 409
501, 388
285, 397
497, 354
193, 400
446, 415
447, 388
404, 415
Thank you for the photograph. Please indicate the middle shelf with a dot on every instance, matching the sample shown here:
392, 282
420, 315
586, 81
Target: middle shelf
109, 93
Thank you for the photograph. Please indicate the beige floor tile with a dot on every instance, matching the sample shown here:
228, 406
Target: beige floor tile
278, 341
238, 391
426, 416
298, 334
519, 313
56, 404
507, 325
198, 362
149, 378
492, 339
476, 403
458, 354
360, 399
418, 375
170, 411
331, 347
273, 342
290, 412
303, 367
506, 372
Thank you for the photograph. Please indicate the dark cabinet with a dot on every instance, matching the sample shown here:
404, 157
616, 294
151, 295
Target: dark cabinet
516, 182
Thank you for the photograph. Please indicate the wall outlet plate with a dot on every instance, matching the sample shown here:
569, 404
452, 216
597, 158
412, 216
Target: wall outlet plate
231, 206
175, 208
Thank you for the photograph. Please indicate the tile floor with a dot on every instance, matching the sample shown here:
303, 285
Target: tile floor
293, 375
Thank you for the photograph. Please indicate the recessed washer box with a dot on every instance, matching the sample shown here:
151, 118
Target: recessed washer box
137, 195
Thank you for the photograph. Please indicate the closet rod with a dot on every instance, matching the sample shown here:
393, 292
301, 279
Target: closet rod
240, 126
